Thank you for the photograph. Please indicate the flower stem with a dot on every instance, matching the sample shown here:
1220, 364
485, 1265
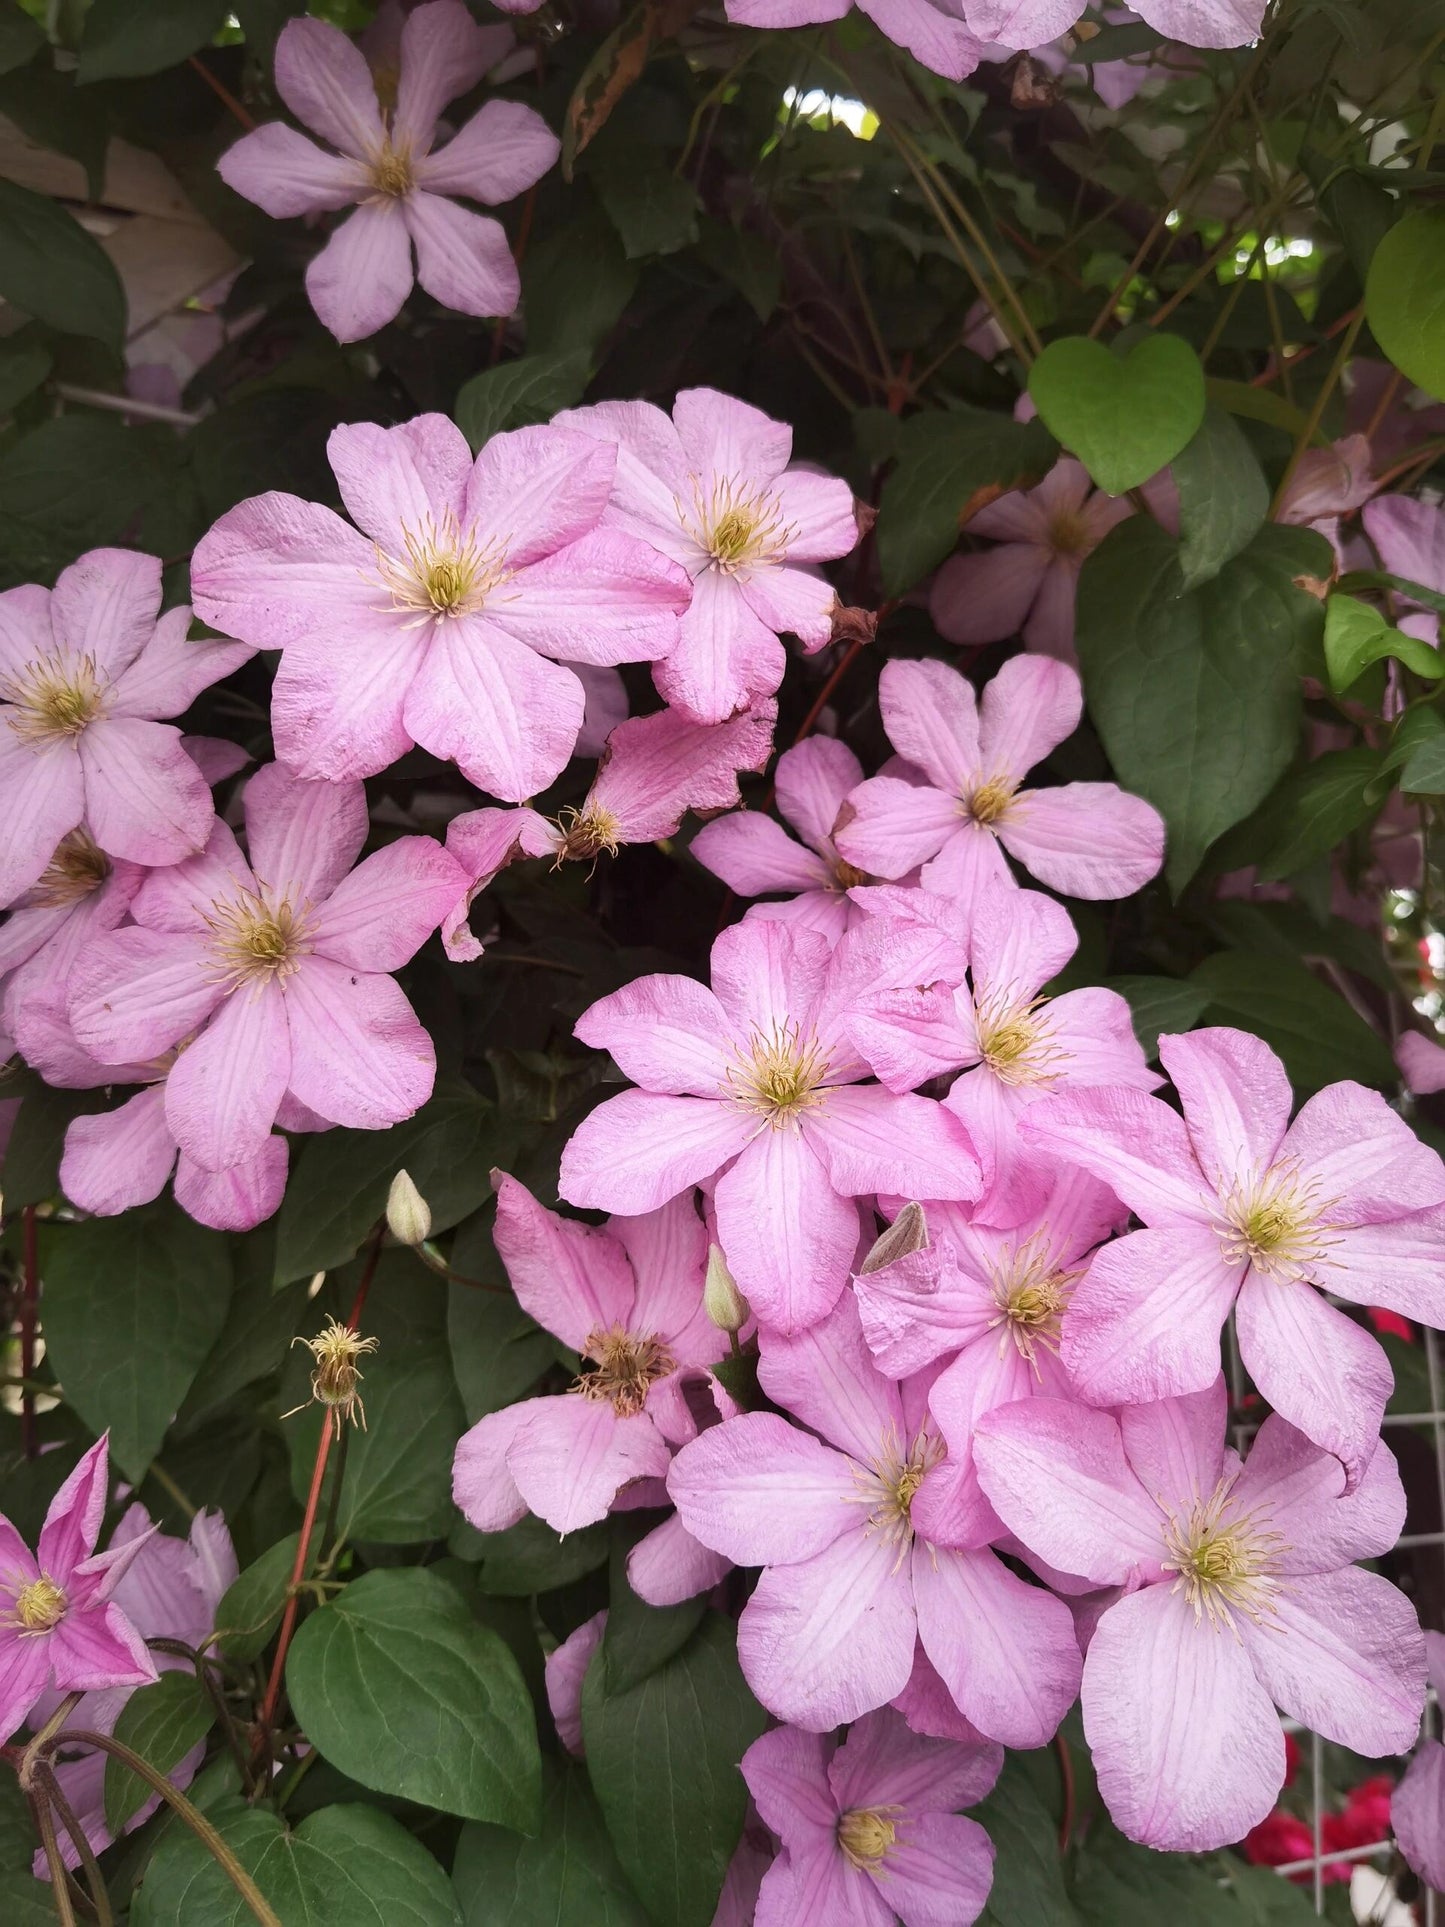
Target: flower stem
94, 1878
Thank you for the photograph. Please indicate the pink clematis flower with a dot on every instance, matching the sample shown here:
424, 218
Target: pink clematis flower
1237, 1595
85, 670
1417, 1805
628, 1298
1329, 483
1421, 1061
1083, 839
170, 1590
435, 625
755, 1079
1245, 1209
653, 770
754, 855
871, 1829
933, 31
1197, 23
851, 1580
273, 973
388, 168
1018, 1044
59, 1622
564, 1670
1027, 583
712, 488
79, 896
1409, 537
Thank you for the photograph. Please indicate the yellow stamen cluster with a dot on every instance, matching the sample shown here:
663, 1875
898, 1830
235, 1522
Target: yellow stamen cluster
845, 876
39, 1606
738, 527
865, 1835
1227, 1560
76, 870
586, 834
391, 172
890, 1484
989, 801
335, 1349
1272, 1223
779, 1079
444, 571
1032, 1295
255, 941
626, 1368
54, 697
1068, 533
1016, 1042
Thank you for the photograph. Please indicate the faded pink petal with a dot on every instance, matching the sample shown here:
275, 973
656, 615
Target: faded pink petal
655, 768
572, 1455
668, 1034
931, 715
119, 1158
573, 1278
483, 1488
986, 596
170, 671
325, 81
505, 715
42, 794
225, 1089
463, 259
138, 992
638, 1150
238, 1198
396, 480
1130, 1141
753, 854
1145, 1319
500, 152
670, 1565
887, 827
761, 1493
1421, 1062
443, 53
725, 658
380, 915
565, 1669
1236, 1100
358, 1054
285, 174
359, 280
1417, 1813
145, 800
788, 1234
1090, 840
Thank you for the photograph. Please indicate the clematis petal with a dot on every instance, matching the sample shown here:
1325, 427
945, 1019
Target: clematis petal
90, 1650
787, 1233
397, 482
501, 151
120, 1158
725, 656
238, 1198
887, 827
931, 715
826, 1378
225, 1089
444, 53
484, 1491
145, 800
1090, 840
337, 708
669, 1565
359, 280
380, 915
638, 1150
138, 992
323, 78
762, 1493
303, 836
572, 1456
463, 259
753, 854
507, 716
358, 1054
573, 1278
1144, 1321
285, 174
1031, 706
42, 795
1236, 1100
986, 597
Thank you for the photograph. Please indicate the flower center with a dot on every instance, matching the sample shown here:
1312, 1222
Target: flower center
254, 940
890, 1484
987, 803
444, 572
1068, 533
391, 173
845, 876
1016, 1042
737, 527
54, 697
39, 1607
627, 1367
1227, 1561
779, 1078
865, 1835
1272, 1223
587, 833
76, 869
1032, 1295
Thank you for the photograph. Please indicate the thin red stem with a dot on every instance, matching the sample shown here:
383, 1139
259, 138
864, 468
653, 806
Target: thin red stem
223, 93
29, 1306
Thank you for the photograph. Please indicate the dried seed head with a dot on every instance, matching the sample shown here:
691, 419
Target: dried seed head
336, 1348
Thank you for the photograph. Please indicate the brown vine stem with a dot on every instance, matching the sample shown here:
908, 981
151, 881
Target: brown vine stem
223, 93
53, 1796
29, 1306
1321, 401
308, 1522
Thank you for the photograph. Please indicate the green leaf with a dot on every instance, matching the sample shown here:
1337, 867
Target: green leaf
1360, 211
949, 466
568, 1872
1292, 931
54, 270
23, 366
1405, 297
654, 210
576, 281
1117, 1884
346, 1866
1124, 416
20, 38
1196, 692
519, 393
1316, 1033
746, 261
132, 1306
498, 1352
1028, 1875
674, 1831
639, 1638
1159, 1004
339, 1183
161, 1723
1253, 404
251, 1608
1267, 1901
1424, 770
37, 1139
1356, 579
26, 1901
530, 1557
1305, 816
122, 41
401, 1688
78, 481
1357, 635
1223, 497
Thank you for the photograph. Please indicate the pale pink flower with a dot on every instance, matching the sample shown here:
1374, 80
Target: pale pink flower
1083, 839
628, 1299
79, 896
1409, 537
756, 1080
1027, 583
389, 170
753, 1855
1422, 1063
564, 1670
59, 1623
170, 1590
653, 770
712, 488
1246, 1210
1328, 483
933, 31
1417, 1805
434, 620
1197, 23
870, 1829
1018, 1044
1237, 1595
850, 1580
755, 856
274, 974
86, 668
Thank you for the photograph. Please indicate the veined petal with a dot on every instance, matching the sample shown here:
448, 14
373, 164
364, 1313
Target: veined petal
786, 1771
942, 1870
397, 482
275, 569
1090, 840
500, 152
1300, 1489
788, 1235
1236, 1100
483, 1489
145, 800
572, 1455
753, 854
303, 836
444, 53
931, 715
884, 1762
1031, 706
42, 793
1144, 1321
105, 606
794, 602
1130, 1141
338, 701
1176, 1445
238, 1198
1005, 1649
874, 1140
380, 915
638, 1150
140, 991
725, 657
118, 1159
986, 597
463, 259
359, 280
604, 599
1364, 1161
223, 1094
762, 1493
325, 81
812, 782
573, 1278
285, 174
507, 716
668, 1034
887, 827
669, 1565
358, 1055
826, 1377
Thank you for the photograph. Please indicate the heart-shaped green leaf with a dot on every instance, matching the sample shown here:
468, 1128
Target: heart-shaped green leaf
1357, 635
1124, 417
1405, 297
